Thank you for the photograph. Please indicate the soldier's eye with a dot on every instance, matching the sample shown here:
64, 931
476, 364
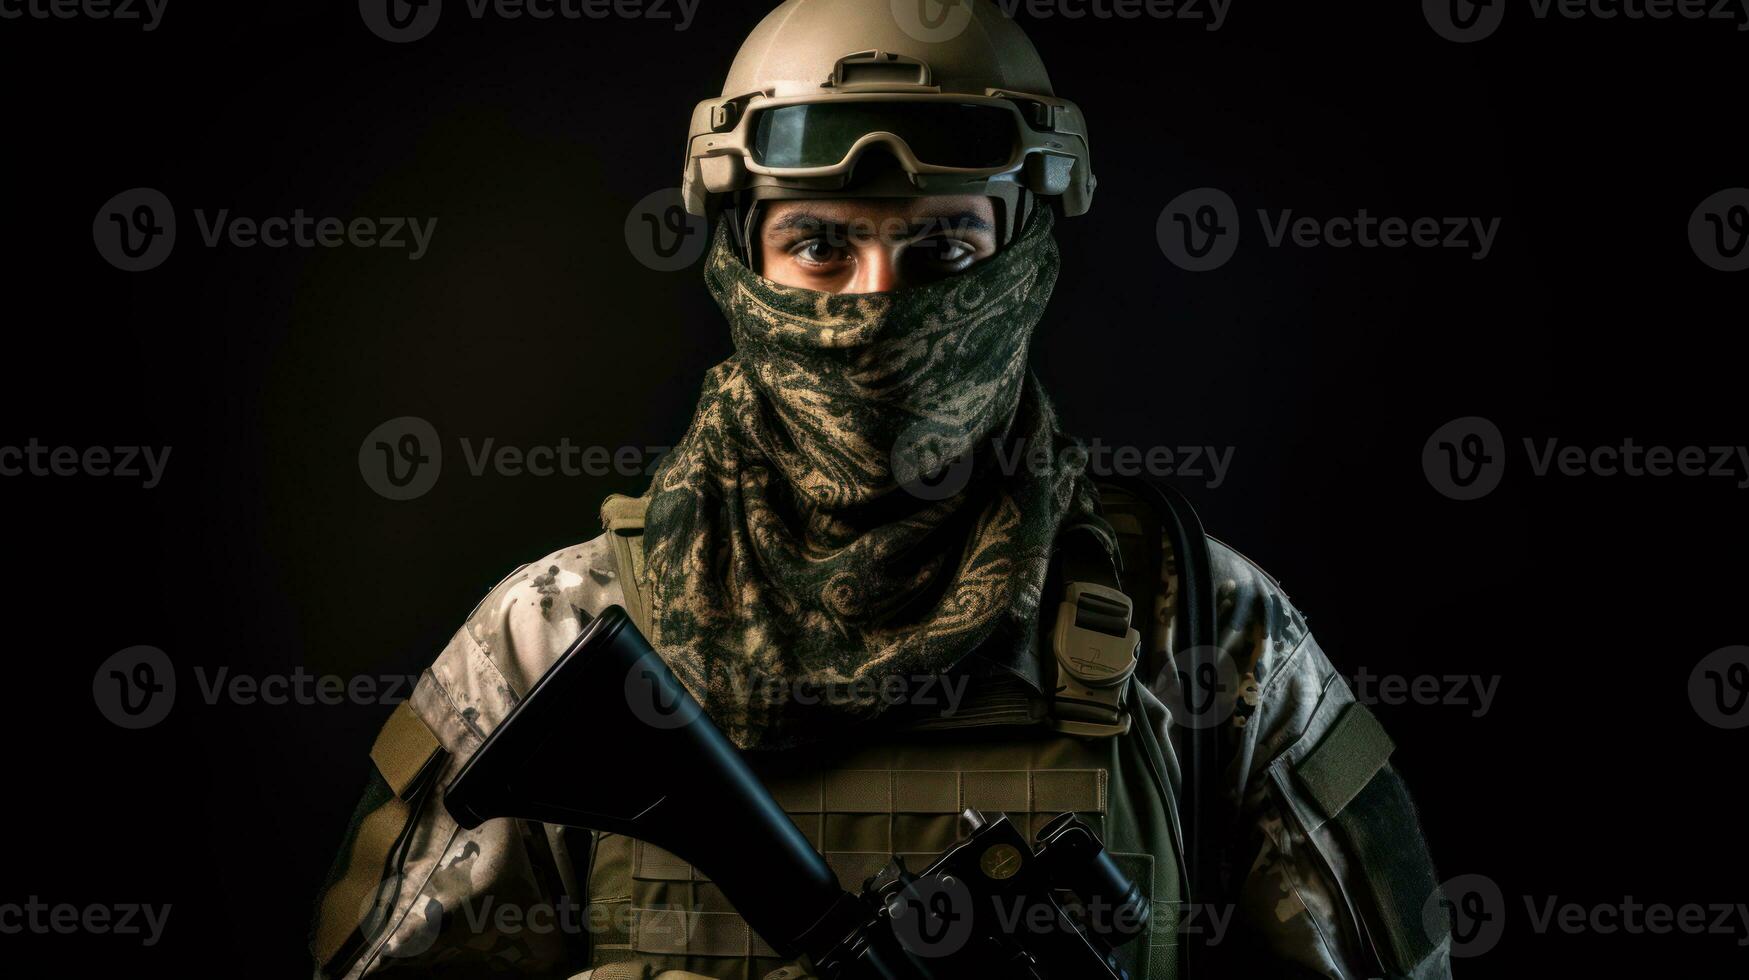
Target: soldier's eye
817, 251
943, 251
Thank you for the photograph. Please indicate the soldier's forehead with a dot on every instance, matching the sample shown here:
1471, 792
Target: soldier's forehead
782, 213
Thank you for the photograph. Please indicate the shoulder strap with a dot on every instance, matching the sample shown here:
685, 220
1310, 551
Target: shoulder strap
1196, 614
1144, 512
622, 517
1190, 544
1195, 632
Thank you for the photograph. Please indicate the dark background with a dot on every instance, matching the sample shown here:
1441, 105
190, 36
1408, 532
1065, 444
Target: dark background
264, 550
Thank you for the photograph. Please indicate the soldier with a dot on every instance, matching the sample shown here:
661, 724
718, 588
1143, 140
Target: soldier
883, 634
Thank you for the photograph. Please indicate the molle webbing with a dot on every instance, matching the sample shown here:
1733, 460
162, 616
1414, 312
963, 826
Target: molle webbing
901, 797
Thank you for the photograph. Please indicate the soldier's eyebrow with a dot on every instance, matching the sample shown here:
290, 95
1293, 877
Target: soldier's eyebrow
815, 223
959, 221
802, 220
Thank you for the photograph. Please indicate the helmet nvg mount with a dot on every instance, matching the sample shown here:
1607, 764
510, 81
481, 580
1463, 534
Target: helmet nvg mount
961, 104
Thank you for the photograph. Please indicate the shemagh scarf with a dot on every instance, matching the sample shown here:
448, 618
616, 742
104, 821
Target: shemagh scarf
808, 560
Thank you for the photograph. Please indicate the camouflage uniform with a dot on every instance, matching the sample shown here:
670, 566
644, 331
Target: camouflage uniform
778, 549
445, 899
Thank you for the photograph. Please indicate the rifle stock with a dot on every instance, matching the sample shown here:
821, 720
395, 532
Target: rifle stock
658, 771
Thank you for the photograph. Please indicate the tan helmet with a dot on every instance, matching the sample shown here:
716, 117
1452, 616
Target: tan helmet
952, 91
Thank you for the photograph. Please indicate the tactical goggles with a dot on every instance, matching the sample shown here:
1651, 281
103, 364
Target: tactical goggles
820, 136
967, 135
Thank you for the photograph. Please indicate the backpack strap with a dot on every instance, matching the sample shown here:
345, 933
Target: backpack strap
622, 517
1194, 632
1196, 619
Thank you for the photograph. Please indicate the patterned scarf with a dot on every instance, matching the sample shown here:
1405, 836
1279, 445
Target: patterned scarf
810, 556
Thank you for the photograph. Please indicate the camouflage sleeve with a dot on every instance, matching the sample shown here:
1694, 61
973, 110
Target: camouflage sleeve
1329, 864
491, 901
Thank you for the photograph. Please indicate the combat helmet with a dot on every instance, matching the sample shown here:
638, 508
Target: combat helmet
958, 100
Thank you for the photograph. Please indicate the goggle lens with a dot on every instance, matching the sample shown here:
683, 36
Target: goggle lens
967, 136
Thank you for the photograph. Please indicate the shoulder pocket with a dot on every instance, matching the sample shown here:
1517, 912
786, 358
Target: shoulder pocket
1357, 813
406, 757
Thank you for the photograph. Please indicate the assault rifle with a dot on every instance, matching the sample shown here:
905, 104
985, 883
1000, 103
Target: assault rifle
990, 906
